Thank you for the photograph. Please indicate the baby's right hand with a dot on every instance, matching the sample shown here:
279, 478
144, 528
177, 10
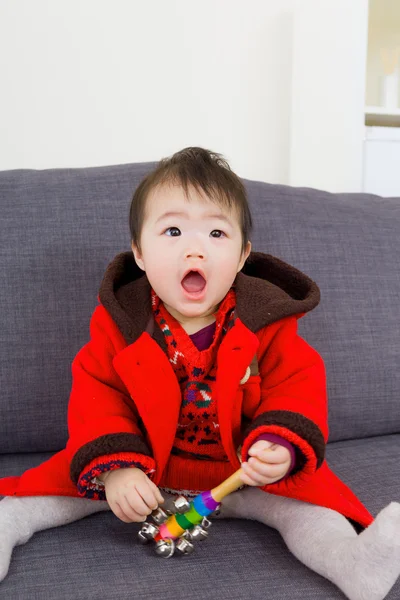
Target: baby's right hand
131, 494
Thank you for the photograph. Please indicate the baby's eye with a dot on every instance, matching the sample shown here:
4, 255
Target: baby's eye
173, 231
217, 233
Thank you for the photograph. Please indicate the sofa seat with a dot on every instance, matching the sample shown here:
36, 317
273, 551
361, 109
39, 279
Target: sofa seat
106, 548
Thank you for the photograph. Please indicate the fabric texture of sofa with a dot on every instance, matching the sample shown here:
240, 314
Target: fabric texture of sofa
59, 229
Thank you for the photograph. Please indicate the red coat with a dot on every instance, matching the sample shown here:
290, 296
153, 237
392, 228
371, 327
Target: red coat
125, 398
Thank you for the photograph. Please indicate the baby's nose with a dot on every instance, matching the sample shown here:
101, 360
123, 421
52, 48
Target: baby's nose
195, 254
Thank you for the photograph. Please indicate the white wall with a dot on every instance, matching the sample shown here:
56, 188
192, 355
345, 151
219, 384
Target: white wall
328, 94
277, 87
94, 82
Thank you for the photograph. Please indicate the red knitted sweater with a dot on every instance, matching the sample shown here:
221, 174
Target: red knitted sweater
198, 429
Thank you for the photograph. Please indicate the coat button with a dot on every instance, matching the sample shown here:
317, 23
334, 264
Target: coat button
246, 376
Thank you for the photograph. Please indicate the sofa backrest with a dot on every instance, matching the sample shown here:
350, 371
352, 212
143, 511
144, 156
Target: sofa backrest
60, 228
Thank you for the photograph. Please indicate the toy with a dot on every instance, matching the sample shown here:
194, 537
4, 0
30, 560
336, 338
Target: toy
189, 523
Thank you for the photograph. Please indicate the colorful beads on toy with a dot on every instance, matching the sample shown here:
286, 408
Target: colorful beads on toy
202, 506
169, 529
189, 523
205, 504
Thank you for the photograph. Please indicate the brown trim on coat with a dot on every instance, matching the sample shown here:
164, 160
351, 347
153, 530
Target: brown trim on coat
298, 424
267, 290
103, 445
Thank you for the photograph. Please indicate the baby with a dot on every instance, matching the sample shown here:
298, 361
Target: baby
195, 368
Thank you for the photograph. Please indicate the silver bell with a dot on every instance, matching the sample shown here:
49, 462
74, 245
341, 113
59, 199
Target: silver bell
181, 504
142, 538
165, 547
184, 546
197, 533
159, 516
147, 532
206, 523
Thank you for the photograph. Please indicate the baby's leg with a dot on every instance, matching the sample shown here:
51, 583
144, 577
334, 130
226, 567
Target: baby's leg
21, 517
364, 566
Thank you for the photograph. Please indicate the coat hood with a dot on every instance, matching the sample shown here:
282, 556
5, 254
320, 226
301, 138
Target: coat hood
267, 290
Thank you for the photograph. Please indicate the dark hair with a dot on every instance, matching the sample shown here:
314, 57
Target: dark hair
203, 170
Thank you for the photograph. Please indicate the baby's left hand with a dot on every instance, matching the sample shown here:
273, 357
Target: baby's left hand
269, 462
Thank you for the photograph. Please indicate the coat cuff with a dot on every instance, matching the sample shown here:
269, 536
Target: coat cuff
105, 445
303, 433
90, 487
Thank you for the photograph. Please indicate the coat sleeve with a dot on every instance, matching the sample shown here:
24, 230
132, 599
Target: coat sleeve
293, 402
103, 422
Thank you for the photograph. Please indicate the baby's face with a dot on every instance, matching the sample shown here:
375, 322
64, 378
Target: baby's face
191, 251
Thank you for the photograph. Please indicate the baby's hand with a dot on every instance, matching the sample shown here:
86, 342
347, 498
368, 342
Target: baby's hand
269, 462
131, 494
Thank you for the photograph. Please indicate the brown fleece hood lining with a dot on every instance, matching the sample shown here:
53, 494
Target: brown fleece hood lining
267, 290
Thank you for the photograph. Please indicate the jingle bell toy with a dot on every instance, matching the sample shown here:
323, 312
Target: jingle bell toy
176, 531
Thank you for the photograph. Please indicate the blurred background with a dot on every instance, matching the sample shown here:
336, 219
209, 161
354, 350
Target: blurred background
298, 92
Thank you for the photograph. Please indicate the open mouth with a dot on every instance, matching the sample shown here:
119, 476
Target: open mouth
194, 282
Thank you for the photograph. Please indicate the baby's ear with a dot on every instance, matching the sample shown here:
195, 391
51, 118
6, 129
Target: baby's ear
138, 257
245, 255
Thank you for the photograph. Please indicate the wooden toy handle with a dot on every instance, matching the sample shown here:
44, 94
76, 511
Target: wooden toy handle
228, 486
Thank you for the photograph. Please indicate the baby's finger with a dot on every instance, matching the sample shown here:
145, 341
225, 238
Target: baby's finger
263, 469
148, 495
135, 502
131, 513
117, 510
157, 492
278, 455
260, 446
247, 479
254, 477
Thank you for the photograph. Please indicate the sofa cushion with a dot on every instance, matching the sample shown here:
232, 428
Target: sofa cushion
349, 245
60, 228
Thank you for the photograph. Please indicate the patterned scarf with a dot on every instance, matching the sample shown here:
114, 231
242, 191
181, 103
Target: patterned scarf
197, 434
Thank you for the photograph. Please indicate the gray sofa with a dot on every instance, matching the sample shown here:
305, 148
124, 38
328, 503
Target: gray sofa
59, 229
